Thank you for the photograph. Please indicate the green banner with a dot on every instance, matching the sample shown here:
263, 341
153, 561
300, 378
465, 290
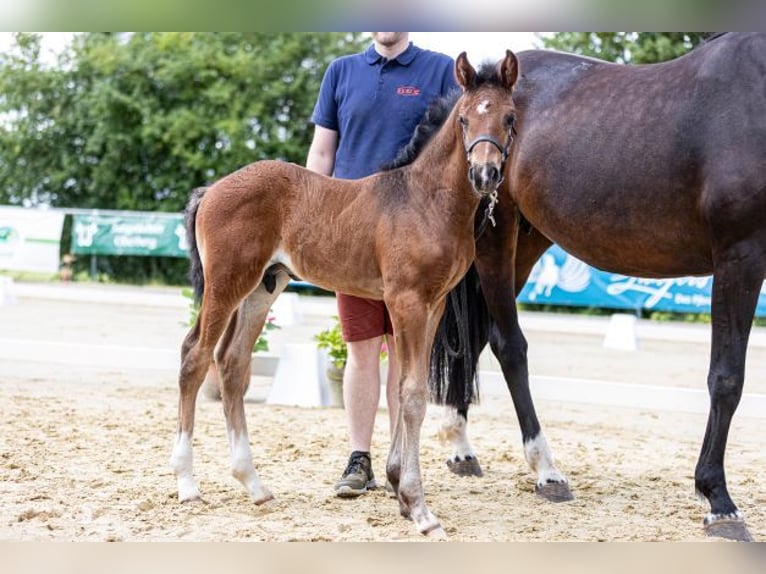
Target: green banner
156, 235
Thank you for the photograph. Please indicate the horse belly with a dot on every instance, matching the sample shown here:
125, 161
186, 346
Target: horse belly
648, 238
334, 271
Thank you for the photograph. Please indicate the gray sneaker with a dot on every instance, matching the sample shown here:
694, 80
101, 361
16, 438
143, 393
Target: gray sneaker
358, 477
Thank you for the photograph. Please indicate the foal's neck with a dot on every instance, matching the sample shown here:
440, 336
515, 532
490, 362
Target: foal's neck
441, 170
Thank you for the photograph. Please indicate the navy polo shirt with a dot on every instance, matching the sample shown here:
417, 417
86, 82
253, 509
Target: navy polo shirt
375, 104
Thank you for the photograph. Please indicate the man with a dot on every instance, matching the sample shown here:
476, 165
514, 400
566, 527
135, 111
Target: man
368, 107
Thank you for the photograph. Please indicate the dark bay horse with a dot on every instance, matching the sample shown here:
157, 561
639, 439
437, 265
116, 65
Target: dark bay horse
654, 171
403, 235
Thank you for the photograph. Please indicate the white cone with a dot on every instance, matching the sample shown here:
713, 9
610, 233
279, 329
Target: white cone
621, 333
297, 379
7, 296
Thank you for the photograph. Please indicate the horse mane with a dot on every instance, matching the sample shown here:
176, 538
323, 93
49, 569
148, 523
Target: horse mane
435, 116
433, 119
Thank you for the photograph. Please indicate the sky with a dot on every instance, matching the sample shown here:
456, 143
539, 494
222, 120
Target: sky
479, 46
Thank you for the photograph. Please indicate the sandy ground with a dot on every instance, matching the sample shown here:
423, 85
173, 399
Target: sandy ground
84, 450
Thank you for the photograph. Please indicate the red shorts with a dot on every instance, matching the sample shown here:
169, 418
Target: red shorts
362, 319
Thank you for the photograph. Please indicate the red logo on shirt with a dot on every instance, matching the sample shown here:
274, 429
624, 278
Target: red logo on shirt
407, 91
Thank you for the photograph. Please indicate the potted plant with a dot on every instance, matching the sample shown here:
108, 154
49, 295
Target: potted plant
331, 341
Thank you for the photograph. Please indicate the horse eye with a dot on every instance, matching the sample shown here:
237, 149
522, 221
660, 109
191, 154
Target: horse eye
463, 121
510, 120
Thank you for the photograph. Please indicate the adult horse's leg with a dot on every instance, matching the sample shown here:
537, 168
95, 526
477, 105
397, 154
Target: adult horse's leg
233, 362
454, 429
414, 325
737, 278
456, 354
504, 260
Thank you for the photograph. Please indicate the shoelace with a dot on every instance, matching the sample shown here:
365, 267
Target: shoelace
354, 466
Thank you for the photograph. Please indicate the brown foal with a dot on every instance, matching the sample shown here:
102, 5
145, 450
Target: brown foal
405, 236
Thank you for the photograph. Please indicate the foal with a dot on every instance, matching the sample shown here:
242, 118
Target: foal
404, 236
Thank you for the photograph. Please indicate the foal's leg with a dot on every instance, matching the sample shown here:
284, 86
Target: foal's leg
737, 279
233, 361
504, 260
415, 326
196, 357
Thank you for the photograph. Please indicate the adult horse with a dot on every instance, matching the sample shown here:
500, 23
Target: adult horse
404, 236
655, 171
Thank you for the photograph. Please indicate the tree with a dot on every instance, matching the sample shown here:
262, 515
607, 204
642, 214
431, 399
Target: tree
627, 47
135, 121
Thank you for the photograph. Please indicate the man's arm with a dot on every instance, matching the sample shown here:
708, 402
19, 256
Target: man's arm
321, 157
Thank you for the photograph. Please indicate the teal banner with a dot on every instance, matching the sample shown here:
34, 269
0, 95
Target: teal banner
155, 235
561, 279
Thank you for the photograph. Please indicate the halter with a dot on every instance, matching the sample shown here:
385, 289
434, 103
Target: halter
489, 139
493, 199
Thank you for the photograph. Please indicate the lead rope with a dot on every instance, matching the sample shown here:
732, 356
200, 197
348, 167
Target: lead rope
489, 212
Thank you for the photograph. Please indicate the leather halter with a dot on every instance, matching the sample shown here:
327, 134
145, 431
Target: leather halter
489, 139
493, 199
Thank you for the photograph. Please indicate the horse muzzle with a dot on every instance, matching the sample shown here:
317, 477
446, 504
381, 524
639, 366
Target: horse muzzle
485, 178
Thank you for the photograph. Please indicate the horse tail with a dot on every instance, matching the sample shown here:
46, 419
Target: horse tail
462, 334
190, 217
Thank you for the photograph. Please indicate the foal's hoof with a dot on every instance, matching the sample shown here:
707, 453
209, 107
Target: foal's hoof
263, 498
729, 526
469, 466
554, 492
435, 532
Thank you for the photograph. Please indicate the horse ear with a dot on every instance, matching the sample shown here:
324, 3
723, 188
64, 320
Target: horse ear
464, 72
508, 70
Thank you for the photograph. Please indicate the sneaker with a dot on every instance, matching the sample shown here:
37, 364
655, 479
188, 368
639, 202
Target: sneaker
357, 478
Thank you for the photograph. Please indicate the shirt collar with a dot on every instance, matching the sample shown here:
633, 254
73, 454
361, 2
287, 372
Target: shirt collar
372, 57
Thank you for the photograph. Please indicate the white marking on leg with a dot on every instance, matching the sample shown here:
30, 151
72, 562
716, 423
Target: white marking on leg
181, 461
453, 430
243, 470
540, 459
710, 518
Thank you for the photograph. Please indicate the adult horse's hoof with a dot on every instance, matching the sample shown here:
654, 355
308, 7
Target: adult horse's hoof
469, 466
731, 527
554, 492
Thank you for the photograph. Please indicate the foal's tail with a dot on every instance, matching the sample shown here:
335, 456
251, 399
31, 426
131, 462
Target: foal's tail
462, 334
190, 218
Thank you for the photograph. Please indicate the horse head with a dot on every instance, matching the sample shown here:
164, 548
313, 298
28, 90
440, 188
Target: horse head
486, 115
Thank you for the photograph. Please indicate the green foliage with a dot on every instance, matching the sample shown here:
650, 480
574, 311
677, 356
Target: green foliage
331, 339
261, 345
679, 317
136, 121
627, 47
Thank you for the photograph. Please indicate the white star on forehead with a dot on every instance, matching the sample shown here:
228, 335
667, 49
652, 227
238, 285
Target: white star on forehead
483, 107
